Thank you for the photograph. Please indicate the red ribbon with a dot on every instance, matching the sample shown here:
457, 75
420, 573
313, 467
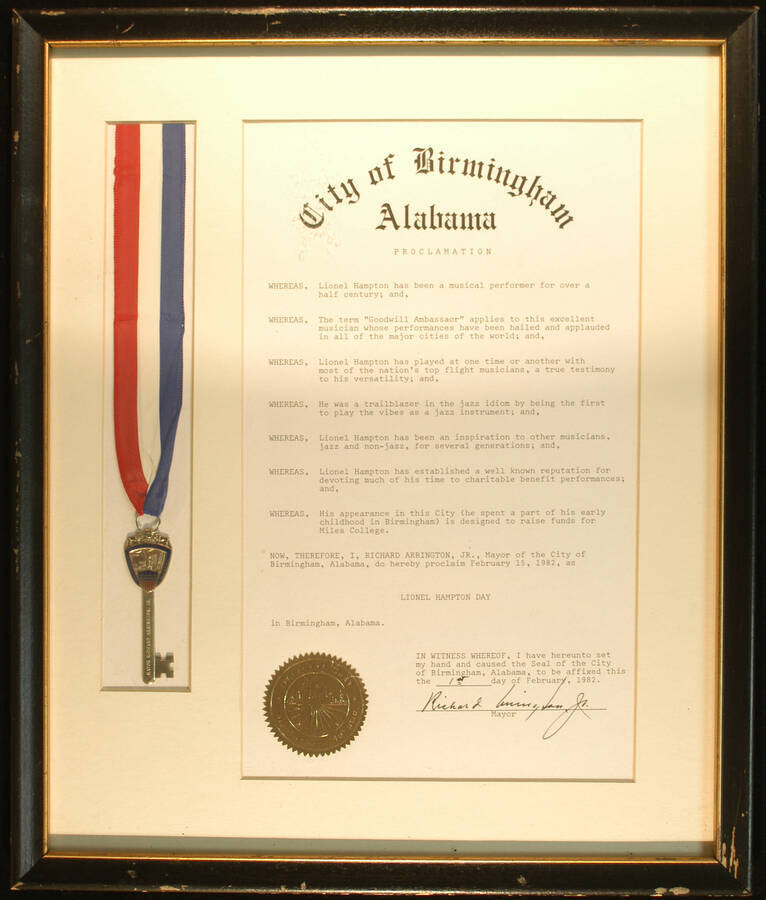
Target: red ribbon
127, 179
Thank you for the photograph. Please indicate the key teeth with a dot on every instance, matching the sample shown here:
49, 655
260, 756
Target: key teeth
163, 665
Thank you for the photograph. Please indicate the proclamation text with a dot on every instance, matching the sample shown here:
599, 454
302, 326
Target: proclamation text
440, 444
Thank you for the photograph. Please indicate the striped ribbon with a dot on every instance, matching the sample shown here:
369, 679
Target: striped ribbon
136, 234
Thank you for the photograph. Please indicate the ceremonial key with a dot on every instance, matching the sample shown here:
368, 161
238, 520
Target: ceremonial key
147, 552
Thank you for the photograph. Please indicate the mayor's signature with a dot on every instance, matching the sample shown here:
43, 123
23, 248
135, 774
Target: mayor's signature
557, 711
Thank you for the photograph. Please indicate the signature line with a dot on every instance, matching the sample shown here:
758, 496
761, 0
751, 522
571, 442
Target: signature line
585, 709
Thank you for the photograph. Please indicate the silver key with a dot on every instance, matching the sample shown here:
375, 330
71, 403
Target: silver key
147, 552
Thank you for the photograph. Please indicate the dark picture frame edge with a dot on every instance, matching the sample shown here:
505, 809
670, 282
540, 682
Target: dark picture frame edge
729, 872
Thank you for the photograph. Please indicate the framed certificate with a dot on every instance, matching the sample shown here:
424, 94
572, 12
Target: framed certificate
385, 422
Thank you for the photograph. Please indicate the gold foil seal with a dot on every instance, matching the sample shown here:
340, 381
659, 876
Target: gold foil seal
315, 704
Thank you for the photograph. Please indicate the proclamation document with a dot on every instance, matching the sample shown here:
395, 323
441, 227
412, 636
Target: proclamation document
441, 368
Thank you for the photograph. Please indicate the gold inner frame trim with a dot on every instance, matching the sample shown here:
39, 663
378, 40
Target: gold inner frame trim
364, 43
391, 42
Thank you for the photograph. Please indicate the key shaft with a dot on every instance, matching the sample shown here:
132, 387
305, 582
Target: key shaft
147, 635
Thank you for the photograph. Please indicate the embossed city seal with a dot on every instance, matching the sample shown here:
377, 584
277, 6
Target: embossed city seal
315, 704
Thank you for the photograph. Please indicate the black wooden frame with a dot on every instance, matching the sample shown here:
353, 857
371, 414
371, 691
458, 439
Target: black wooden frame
726, 873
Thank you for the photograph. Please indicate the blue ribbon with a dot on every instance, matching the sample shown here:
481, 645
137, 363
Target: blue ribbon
171, 306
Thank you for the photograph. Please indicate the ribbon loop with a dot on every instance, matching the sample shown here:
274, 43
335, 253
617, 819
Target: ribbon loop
133, 238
